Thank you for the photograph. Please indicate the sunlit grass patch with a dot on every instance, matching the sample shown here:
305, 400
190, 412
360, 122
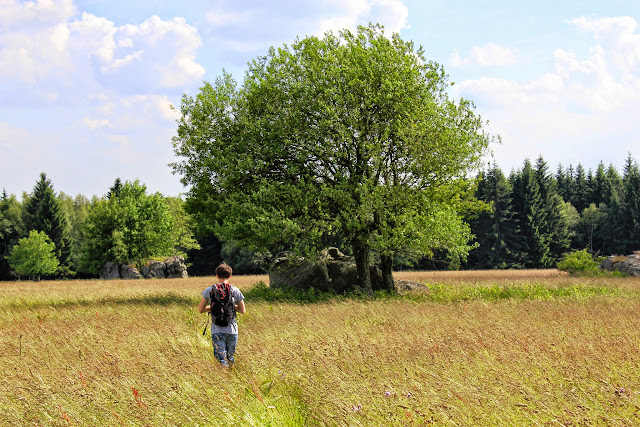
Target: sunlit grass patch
449, 293
467, 351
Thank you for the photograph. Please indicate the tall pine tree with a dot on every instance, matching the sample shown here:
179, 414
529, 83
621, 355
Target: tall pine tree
581, 189
555, 227
530, 218
599, 189
495, 230
43, 212
631, 205
566, 184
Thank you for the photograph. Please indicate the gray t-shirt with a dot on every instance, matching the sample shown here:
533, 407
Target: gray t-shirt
232, 328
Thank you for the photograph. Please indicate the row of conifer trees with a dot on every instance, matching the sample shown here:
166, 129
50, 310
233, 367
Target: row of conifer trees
537, 216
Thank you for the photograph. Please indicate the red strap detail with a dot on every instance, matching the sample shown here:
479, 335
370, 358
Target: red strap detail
223, 289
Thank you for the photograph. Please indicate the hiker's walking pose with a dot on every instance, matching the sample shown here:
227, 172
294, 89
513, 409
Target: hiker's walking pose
223, 301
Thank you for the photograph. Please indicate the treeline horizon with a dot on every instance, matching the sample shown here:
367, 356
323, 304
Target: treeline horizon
535, 216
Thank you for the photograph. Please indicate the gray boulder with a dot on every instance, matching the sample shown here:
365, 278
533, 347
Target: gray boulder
110, 271
154, 269
173, 267
331, 271
176, 267
629, 264
288, 269
129, 272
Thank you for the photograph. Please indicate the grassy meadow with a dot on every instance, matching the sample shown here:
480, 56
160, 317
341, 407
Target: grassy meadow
472, 348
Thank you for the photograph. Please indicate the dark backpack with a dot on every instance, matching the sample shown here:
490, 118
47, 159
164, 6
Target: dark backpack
223, 307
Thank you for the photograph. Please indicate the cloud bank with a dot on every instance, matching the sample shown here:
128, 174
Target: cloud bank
583, 110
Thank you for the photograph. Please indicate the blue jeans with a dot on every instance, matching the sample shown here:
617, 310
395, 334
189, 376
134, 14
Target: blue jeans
224, 347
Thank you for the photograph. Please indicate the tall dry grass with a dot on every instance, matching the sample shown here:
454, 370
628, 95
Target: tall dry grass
132, 353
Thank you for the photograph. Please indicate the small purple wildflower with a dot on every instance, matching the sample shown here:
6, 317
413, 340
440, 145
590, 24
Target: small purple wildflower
387, 394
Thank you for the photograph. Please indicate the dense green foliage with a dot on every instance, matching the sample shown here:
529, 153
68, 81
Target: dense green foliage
129, 226
602, 228
34, 255
536, 218
10, 229
350, 136
495, 230
579, 262
125, 226
76, 210
42, 211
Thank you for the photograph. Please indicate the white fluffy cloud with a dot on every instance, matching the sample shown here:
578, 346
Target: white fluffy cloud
351, 13
262, 24
569, 113
48, 54
489, 55
101, 92
30, 14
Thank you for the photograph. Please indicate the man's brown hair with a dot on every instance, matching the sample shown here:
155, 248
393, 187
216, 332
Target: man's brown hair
224, 271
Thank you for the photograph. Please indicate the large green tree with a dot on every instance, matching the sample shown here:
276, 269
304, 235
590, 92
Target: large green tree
10, 229
76, 209
351, 135
183, 227
34, 255
42, 211
128, 227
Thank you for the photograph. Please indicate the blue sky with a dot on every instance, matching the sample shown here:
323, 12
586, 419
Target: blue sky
86, 85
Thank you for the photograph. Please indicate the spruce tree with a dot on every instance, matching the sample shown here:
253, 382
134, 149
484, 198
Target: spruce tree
43, 212
610, 237
581, 189
560, 181
530, 217
607, 193
566, 186
599, 190
631, 205
495, 230
115, 189
555, 227
614, 181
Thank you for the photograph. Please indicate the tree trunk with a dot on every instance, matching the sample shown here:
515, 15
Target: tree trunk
361, 253
387, 272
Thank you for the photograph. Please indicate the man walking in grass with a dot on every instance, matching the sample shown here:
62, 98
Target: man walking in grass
223, 301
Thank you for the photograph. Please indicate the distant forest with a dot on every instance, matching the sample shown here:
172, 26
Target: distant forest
534, 217
537, 216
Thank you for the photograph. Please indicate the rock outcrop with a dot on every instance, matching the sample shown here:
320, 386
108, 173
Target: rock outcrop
331, 271
154, 269
110, 271
173, 267
176, 268
629, 264
129, 272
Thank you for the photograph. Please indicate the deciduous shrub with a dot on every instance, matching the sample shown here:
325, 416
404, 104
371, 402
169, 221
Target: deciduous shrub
579, 262
34, 255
